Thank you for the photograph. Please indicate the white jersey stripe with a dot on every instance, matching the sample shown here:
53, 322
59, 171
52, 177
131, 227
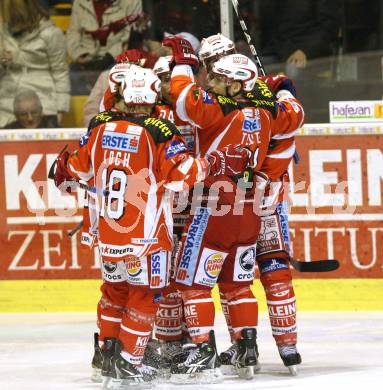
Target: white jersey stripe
136, 332
111, 319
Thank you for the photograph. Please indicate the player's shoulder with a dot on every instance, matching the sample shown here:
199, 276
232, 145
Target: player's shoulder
105, 117
161, 130
226, 103
262, 97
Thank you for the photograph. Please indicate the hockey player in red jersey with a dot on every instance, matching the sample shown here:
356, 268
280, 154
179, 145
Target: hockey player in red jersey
272, 255
223, 251
136, 162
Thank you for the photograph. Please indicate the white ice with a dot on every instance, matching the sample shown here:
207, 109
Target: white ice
339, 351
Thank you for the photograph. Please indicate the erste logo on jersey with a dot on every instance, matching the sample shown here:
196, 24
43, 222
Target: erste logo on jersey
127, 142
192, 246
251, 123
213, 265
175, 147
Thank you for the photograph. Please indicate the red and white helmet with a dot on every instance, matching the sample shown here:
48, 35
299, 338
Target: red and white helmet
140, 86
215, 47
237, 67
162, 65
117, 74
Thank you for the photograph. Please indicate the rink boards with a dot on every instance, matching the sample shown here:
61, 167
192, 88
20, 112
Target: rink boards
336, 213
83, 295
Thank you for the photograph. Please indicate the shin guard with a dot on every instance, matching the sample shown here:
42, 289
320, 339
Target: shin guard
242, 307
281, 305
199, 313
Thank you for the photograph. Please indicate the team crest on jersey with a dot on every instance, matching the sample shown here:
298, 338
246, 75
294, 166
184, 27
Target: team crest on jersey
175, 147
206, 98
84, 139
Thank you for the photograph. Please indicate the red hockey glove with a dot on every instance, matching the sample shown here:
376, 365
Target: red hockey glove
61, 174
276, 82
230, 160
183, 52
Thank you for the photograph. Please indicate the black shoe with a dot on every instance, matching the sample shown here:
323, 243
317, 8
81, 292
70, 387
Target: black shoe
246, 361
290, 357
111, 345
227, 359
96, 361
129, 373
201, 365
152, 357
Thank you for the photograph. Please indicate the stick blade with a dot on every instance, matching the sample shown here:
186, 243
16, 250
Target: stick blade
315, 266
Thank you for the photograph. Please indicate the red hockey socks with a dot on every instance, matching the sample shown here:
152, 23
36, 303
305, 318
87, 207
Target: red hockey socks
242, 307
281, 306
199, 313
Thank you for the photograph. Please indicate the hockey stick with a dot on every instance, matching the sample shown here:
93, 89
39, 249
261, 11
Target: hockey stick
248, 37
76, 229
315, 266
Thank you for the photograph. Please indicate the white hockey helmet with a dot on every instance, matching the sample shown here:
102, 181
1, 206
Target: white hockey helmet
215, 47
116, 75
162, 65
237, 67
140, 86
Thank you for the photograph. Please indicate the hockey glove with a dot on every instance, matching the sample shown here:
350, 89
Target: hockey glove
61, 174
183, 52
277, 82
230, 160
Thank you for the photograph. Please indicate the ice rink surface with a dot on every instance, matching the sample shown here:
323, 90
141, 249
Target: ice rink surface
339, 351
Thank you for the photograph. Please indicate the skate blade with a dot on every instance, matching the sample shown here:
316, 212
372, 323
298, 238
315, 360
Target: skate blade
248, 372
212, 375
123, 384
228, 369
293, 370
96, 375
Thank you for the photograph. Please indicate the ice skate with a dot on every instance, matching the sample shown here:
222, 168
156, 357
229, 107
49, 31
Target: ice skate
96, 361
201, 365
121, 374
290, 357
107, 367
227, 359
152, 357
246, 362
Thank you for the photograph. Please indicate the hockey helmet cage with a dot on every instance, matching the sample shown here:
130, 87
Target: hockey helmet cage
141, 86
237, 67
116, 75
162, 65
215, 46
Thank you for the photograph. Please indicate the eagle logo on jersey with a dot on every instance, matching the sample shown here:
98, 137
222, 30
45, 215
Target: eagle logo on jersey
247, 259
